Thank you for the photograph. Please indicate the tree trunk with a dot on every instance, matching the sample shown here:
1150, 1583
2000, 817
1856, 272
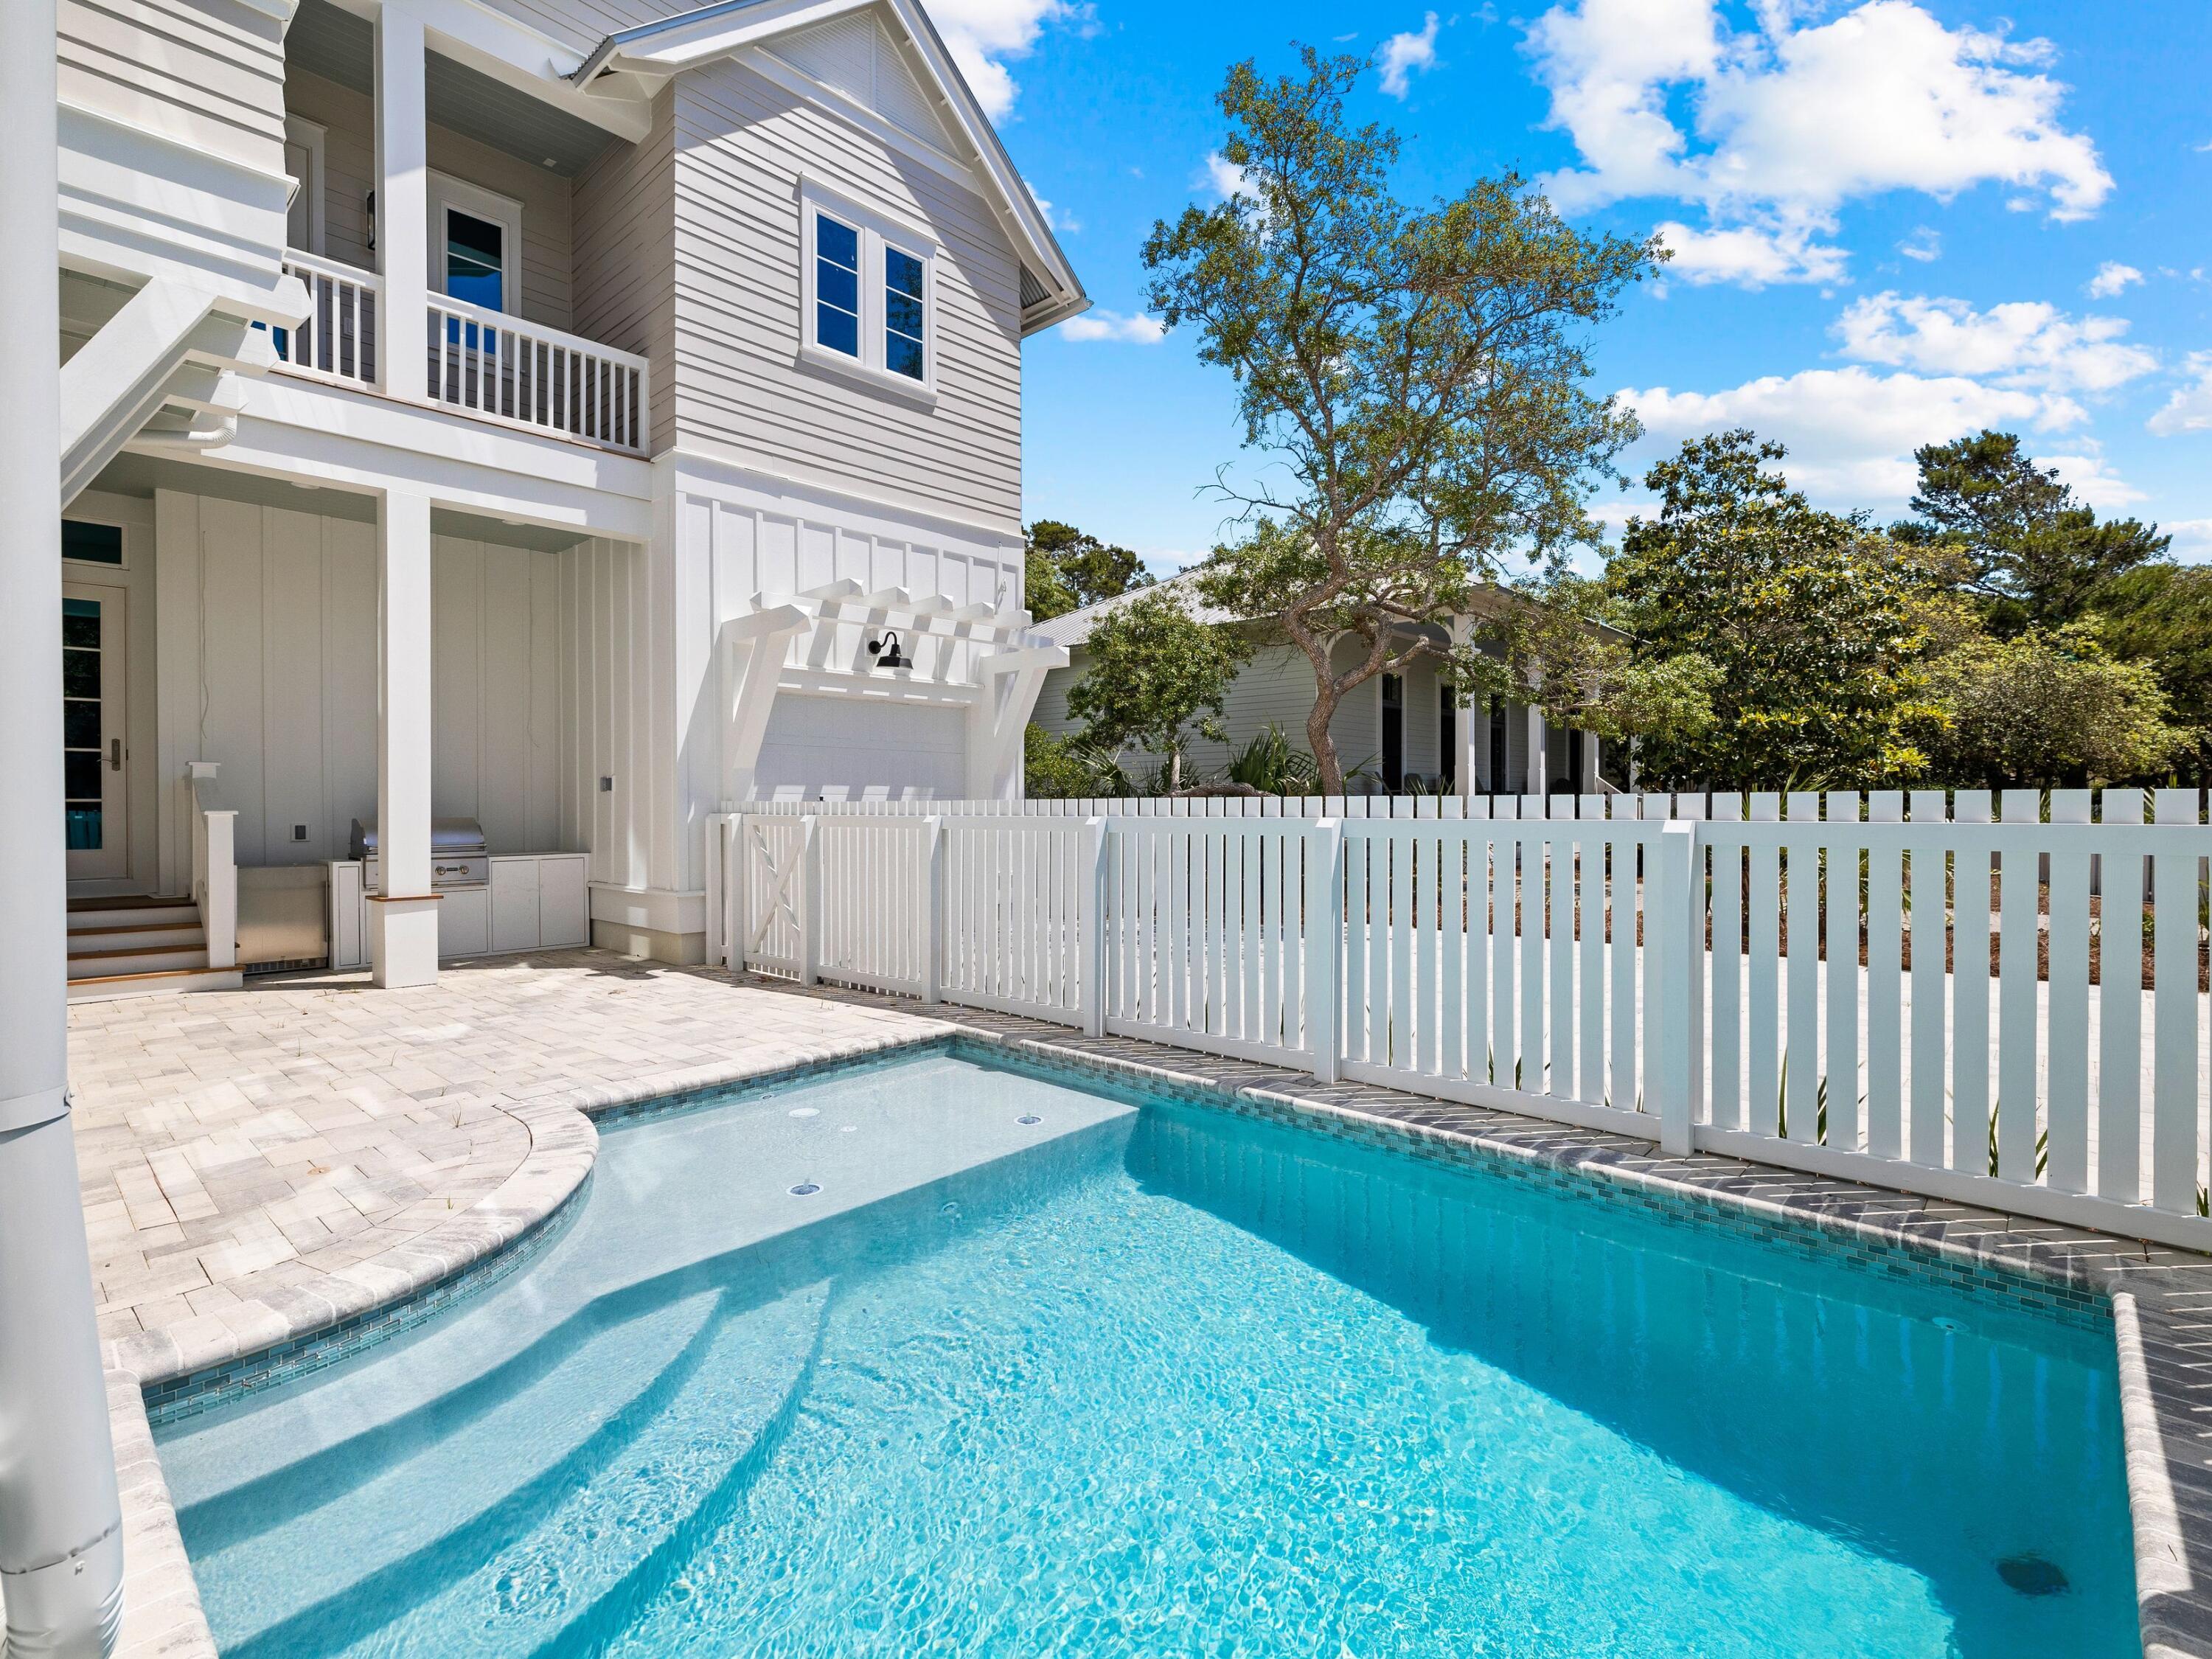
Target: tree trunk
1322, 742
1175, 768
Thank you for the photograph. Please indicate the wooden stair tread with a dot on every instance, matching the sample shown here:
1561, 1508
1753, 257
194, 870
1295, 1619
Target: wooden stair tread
154, 973
137, 927
131, 902
133, 951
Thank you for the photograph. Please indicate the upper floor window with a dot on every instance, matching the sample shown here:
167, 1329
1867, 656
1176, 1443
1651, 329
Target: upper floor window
868, 295
837, 285
475, 244
905, 291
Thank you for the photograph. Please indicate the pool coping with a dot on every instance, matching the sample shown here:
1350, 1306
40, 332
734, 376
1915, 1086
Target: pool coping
2160, 1298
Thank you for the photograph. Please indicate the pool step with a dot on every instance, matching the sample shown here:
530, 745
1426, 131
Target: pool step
536, 1512
364, 1524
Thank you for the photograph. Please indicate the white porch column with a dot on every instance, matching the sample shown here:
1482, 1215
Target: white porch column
61, 1530
402, 925
1539, 758
403, 202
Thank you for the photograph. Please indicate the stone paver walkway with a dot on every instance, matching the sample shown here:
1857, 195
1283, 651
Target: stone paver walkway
242, 1151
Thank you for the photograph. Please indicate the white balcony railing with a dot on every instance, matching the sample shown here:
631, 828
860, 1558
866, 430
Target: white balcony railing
491, 365
525, 375
338, 340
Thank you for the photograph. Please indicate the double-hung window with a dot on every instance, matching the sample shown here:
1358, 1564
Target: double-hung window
868, 295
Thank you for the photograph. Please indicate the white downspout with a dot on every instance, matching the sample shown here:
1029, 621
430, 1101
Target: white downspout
61, 1530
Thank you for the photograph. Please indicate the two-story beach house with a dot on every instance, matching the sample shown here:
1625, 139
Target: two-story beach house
496, 435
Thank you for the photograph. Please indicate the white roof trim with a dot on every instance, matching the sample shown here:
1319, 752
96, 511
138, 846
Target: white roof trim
659, 50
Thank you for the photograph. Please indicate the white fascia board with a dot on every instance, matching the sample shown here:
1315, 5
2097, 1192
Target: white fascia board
487, 470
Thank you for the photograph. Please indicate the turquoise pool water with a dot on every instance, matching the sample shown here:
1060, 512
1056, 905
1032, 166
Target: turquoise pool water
1142, 1379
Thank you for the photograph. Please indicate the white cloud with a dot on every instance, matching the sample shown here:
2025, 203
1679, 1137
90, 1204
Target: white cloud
2025, 343
2190, 409
1403, 56
1924, 245
2091, 477
1779, 125
2112, 277
1222, 177
984, 36
2192, 539
1750, 258
1056, 217
1113, 325
1851, 433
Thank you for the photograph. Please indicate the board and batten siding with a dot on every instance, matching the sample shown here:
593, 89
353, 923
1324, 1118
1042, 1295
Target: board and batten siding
743, 144
349, 120
605, 708
625, 219
266, 622
208, 74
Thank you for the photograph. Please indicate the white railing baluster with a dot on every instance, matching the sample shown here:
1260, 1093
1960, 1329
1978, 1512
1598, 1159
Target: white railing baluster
508, 369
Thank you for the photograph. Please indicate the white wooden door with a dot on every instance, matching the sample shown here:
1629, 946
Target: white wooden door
95, 762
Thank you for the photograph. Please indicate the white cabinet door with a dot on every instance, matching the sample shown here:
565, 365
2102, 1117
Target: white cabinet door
563, 901
514, 904
464, 921
349, 926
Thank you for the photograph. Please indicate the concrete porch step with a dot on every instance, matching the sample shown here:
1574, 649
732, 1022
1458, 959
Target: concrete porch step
108, 987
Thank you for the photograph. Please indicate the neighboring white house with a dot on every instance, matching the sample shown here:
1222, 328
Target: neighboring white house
536, 413
1396, 731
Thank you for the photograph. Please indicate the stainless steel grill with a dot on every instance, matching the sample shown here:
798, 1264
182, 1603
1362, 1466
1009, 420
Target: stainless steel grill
459, 857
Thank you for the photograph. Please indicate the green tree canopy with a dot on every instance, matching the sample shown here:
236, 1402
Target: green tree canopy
2050, 710
1157, 678
1066, 568
2161, 614
1815, 634
2024, 544
1416, 374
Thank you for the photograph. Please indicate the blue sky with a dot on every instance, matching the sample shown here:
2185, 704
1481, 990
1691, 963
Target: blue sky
1896, 222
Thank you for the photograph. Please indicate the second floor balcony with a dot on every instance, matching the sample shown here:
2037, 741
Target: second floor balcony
487, 196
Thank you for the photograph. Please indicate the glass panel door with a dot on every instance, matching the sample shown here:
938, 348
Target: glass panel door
93, 761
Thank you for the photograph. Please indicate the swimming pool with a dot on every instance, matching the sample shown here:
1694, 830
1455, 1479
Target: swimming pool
1038, 1368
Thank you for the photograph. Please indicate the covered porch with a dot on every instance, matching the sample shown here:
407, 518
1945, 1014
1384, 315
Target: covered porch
255, 666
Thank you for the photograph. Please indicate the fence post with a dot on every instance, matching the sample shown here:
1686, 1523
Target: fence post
1674, 967
1324, 843
737, 886
1090, 928
933, 910
810, 900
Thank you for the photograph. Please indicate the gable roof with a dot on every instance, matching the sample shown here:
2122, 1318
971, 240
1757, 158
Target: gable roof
1074, 628
1051, 292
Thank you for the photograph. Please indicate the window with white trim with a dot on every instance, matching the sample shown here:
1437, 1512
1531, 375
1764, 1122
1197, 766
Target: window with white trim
868, 296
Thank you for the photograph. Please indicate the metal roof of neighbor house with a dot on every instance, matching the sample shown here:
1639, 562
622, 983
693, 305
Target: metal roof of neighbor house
1075, 627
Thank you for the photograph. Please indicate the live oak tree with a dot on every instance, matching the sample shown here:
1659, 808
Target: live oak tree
1067, 569
1157, 676
1817, 635
1415, 374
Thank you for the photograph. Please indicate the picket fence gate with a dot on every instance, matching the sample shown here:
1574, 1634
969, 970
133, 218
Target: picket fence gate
1750, 975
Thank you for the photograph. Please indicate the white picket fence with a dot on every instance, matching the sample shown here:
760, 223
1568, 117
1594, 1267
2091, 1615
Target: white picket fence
1757, 979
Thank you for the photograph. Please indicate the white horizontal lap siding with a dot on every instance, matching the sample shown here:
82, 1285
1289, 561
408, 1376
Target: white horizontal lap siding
349, 120
210, 76
625, 257
741, 147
